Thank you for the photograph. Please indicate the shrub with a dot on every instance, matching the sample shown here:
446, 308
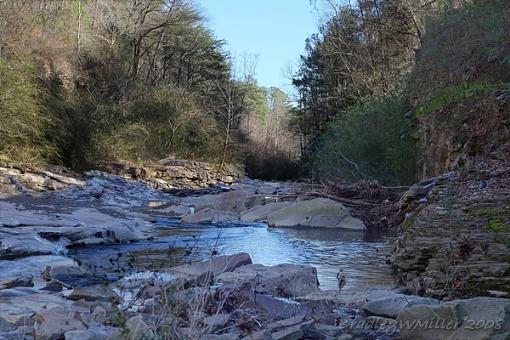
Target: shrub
373, 140
22, 121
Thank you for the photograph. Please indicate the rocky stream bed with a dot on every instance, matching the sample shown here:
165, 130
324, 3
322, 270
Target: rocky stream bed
105, 256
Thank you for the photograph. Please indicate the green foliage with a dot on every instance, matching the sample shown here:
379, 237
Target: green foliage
491, 212
409, 221
369, 140
453, 94
496, 218
498, 226
22, 121
127, 81
463, 45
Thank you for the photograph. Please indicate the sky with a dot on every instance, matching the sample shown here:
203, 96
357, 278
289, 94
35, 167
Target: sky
273, 30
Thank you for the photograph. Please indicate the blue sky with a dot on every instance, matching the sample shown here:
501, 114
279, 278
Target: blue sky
274, 30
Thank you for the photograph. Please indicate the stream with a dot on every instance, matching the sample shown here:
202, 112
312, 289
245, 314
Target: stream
361, 256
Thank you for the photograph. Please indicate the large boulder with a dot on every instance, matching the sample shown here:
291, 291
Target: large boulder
204, 271
287, 280
474, 319
210, 216
16, 244
392, 306
94, 293
231, 201
261, 213
96, 227
319, 212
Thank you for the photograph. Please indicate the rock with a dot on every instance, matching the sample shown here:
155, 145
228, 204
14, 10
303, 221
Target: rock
53, 287
177, 211
261, 213
9, 222
319, 212
20, 281
138, 329
200, 202
454, 237
259, 335
94, 293
206, 270
476, 319
99, 315
287, 280
228, 336
69, 275
234, 201
17, 305
98, 228
210, 216
380, 322
275, 307
292, 333
17, 244
83, 335
391, 307
31, 266
216, 322
54, 323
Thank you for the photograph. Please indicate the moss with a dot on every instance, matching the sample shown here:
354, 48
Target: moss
409, 221
453, 94
498, 226
506, 243
491, 212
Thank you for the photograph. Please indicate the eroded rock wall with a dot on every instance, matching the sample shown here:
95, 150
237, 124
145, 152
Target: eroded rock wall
456, 235
460, 135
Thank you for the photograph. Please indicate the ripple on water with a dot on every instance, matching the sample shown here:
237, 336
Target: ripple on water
361, 257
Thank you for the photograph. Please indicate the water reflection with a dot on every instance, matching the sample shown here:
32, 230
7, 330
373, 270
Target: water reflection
360, 256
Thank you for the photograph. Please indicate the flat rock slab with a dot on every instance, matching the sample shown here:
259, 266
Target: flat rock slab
287, 280
21, 243
319, 212
210, 216
392, 306
474, 319
204, 270
32, 265
261, 213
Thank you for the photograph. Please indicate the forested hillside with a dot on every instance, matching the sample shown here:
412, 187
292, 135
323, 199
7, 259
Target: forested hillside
371, 80
87, 82
83, 83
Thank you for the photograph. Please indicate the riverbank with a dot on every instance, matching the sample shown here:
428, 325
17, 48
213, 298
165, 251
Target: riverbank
78, 250
103, 256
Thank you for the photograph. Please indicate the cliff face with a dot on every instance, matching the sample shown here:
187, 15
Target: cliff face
461, 135
455, 238
455, 235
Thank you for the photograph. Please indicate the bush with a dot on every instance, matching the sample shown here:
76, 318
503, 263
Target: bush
22, 121
372, 139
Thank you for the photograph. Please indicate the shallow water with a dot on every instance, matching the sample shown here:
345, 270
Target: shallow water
360, 256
